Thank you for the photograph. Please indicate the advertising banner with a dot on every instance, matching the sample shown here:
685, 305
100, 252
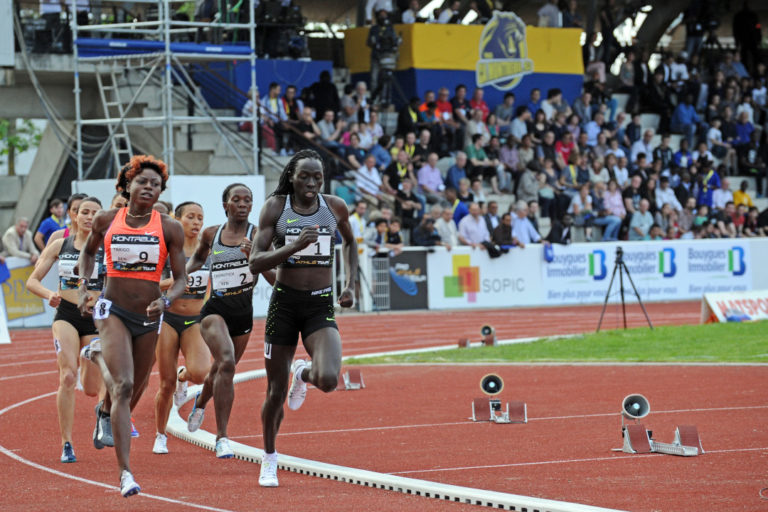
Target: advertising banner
408, 280
677, 270
467, 278
734, 307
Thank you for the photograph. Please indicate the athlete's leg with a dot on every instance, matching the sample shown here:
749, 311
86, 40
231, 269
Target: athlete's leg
197, 356
277, 360
90, 373
117, 353
167, 354
67, 346
219, 383
324, 347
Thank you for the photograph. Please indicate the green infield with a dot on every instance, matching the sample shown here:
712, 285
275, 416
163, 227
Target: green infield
710, 343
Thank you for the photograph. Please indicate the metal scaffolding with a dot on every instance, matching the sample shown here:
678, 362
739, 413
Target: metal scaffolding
172, 64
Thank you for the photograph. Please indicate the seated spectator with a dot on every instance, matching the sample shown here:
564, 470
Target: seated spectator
422, 150
752, 227
655, 233
685, 120
407, 206
663, 153
528, 185
702, 216
643, 146
594, 128
502, 234
642, 220
457, 171
604, 216
722, 195
751, 162
394, 237
522, 229
666, 218
534, 100
380, 150
613, 201
526, 152
725, 221
465, 192
368, 182
411, 15
408, 117
687, 215
476, 191
720, 149
330, 132
476, 126
491, 216
702, 155
554, 104
744, 130
426, 235
582, 107
598, 173
450, 14
478, 103
574, 175
472, 229
397, 172
358, 221
633, 194
308, 129
621, 173
52, 223
581, 210
683, 157
18, 243
355, 154
481, 164
505, 113
560, 232
461, 107
459, 208
248, 109
377, 238
446, 228
741, 196
665, 195
564, 147
431, 180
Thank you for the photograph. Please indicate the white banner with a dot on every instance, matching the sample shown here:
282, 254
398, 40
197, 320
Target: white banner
665, 270
466, 278
7, 53
734, 307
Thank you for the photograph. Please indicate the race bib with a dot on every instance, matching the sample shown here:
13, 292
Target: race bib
135, 253
322, 247
197, 282
67, 270
225, 278
101, 309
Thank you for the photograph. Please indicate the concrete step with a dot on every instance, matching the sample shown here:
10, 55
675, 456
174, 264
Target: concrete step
192, 162
621, 101
650, 121
223, 164
760, 202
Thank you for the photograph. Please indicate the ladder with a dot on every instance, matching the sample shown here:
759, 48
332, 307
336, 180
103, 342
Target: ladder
109, 92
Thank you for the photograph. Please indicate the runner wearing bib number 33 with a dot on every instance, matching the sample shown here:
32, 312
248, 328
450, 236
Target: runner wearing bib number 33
301, 223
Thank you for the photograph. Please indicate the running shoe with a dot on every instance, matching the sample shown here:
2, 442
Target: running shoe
223, 450
134, 431
88, 351
161, 444
102, 434
68, 453
181, 390
268, 475
298, 391
128, 486
196, 416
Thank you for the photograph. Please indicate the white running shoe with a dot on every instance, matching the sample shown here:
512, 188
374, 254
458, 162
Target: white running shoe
223, 450
128, 486
195, 417
161, 444
89, 350
268, 475
298, 391
181, 390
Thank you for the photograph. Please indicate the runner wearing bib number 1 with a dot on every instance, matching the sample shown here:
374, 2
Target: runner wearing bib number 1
227, 316
137, 240
301, 224
181, 331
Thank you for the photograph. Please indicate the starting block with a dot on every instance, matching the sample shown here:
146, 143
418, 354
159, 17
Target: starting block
485, 409
464, 343
350, 380
638, 440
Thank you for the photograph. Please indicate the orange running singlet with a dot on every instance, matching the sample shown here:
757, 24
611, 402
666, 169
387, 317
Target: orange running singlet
135, 253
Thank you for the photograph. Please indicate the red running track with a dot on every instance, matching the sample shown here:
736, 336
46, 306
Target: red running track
409, 422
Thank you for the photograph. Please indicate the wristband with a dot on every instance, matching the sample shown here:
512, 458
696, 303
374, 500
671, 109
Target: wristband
82, 281
166, 302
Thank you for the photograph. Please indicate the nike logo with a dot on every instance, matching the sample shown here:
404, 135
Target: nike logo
189, 322
325, 295
147, 324
216, 253
330, 319
150, 232
289, 221
279, 289
246, 331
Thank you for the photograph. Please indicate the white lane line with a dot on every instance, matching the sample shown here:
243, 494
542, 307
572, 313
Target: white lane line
468, 422
564, 461
18, 458
28, 375
39, 361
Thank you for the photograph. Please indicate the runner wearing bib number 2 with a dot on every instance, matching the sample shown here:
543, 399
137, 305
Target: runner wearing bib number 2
301, 223
181, 331
137, 240
227, 316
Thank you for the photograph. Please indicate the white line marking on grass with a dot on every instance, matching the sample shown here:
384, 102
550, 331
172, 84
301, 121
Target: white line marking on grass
565, 461
18, 458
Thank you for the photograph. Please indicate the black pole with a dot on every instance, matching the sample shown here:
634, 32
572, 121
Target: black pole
607, 294
640, 300
620, 265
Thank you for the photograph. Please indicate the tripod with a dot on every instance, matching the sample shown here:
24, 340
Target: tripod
621, 268
386, 82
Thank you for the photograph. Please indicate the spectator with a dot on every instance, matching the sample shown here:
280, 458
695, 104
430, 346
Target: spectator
399, 171
687, 215
450, 14
519, 126
534, 100
411, 15
408, 117
702, 156
633, 194
604, 213
368, 182
554, 103
52, 223
751, 162
408, 206
355, 154
446, 228
325, 96
741, 196
431, 180
394, 236
663, 153
357, 220
685, 120
581, 210
330, 133
655, 233
582, 107
460, 105
598, 173
17, 241
465, 192
457, 171
549, 15
642, 220
522, 230
426, 235
308, 130
643, 146
481, 164
744, 129
502, 234
685, 189
560, 232
423, 149
476, 126
621, 173
491, 217
476, 191
725, 221
752, 226
378, 238
613, 203
710, 181
505, 112
459, 209
722, 195
478, 103
665, 195
380, 150
683, 157
528, 185
472, 229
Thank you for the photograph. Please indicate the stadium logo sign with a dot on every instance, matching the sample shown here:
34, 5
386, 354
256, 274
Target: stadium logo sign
503, 53
597, 268
667, 266
736, 263
465, 279
718, 261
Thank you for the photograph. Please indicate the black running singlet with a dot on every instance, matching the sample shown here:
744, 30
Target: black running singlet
288, 228
68, 257
231, 279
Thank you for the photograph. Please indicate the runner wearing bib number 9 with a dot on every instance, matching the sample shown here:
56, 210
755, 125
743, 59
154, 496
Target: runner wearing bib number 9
137, 240
300, 223
227, 316
181, 330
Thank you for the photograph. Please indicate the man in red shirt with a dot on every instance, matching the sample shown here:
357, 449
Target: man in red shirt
565, 145
477, 102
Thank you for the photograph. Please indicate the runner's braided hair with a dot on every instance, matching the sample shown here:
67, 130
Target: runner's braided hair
134, 167
284, 186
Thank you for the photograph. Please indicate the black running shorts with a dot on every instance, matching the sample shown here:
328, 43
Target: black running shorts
180, 323
238, 323
68, 312
293, 312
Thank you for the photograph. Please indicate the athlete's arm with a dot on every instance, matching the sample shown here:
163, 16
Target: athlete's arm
262, 258
43, 266
174, 242
203, 249
87, 260
339, 208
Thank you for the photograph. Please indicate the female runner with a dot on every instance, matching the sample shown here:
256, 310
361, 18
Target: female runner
137, 240
182, 331
71, 330
227, 316
72, 204
301, 224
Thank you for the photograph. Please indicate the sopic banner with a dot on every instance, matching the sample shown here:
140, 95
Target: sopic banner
666, 270
468, 278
